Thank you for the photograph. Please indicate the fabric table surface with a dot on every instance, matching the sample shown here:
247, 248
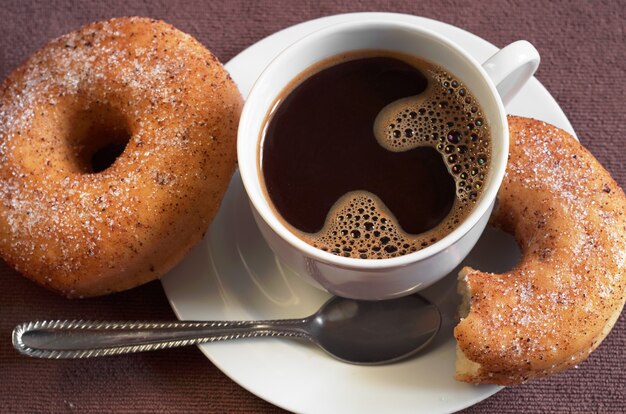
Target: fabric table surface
582, 49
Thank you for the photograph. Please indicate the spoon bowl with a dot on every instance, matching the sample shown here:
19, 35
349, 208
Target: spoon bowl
353, 331
372, 332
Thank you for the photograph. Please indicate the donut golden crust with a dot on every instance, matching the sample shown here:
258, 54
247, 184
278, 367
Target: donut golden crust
128, 81
564, 296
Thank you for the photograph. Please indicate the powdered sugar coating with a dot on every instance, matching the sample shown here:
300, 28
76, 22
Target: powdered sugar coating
561, 300
86, 233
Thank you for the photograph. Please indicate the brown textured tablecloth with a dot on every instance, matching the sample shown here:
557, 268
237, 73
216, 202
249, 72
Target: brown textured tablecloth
583, 66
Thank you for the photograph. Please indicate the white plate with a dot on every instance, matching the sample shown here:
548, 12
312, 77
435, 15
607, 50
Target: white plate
232, 274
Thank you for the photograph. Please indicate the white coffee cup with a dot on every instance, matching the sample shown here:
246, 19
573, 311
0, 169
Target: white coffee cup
492, 83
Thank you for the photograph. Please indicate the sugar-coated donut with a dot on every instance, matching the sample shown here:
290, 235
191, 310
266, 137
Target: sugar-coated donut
561, 300
133, 87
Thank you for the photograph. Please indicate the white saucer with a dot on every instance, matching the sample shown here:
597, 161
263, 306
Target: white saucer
232, 274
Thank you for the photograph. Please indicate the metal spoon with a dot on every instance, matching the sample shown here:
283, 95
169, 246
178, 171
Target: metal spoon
354, 331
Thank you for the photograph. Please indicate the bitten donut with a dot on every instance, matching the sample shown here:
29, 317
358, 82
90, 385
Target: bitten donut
117, 143
561, 300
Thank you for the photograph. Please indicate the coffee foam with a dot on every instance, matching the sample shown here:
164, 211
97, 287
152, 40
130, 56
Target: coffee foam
360, 225
445, 117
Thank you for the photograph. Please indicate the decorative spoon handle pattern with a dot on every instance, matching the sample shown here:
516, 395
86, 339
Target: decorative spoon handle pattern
73, 339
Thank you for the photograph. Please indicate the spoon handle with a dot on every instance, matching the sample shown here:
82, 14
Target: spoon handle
72, 339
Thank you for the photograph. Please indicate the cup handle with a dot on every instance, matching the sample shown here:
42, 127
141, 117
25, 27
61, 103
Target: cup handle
512, 67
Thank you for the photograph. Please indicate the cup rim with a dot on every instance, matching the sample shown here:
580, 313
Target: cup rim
251, 178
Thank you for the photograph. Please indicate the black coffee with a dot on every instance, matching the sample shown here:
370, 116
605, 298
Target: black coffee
374, 155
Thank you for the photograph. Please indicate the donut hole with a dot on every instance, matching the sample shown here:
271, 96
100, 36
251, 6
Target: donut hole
104, 157
99, 137
496, 252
